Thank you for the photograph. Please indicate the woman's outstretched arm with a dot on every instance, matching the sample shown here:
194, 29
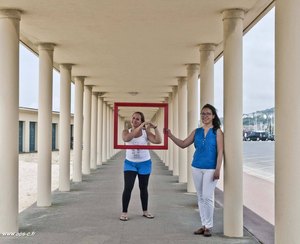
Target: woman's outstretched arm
181, 143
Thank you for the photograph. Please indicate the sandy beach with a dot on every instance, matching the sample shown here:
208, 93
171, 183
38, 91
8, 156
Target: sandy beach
28, 177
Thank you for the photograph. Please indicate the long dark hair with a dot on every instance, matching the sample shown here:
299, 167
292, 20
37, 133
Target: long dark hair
216, 121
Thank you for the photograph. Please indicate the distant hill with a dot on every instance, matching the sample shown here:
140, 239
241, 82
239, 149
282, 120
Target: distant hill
262, 120
265, 111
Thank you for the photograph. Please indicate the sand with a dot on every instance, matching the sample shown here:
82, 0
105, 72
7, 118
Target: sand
28, 177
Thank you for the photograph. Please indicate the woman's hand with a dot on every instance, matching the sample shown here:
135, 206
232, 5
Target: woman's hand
217, 174
151, 125
168, 132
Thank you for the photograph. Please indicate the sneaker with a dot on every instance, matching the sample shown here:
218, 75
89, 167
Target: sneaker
199, 231
207, 233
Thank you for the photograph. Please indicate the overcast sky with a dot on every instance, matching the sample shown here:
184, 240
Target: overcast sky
29, 76
258, 72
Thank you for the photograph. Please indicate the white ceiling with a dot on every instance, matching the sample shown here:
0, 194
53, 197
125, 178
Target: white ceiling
125, 46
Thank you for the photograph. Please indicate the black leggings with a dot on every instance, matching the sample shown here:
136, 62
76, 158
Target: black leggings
129, 178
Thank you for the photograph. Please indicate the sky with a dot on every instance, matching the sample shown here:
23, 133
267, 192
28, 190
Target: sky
258, 72
29, 79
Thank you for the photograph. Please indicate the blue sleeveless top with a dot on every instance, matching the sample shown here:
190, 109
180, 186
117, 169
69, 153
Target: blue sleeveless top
205, 156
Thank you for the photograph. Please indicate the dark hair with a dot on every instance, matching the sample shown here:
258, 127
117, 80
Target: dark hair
216, 121
142, 116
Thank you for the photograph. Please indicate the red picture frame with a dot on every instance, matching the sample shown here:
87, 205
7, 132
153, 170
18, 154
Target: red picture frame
150, 147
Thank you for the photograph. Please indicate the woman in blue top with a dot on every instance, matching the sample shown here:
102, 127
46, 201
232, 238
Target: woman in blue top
206, 165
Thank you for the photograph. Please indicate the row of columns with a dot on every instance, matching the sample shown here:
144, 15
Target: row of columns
86, 126
187, 116
287, 196
89, 137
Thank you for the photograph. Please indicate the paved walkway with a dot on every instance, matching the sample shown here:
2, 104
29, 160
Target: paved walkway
90, 212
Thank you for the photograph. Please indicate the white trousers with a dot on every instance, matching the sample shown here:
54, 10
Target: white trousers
205, 187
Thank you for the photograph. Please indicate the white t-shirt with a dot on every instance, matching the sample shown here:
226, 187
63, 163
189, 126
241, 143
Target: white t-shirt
138, 155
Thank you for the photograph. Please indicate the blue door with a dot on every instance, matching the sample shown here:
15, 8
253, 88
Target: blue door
53, 136
72, 138
32, 136
21, 126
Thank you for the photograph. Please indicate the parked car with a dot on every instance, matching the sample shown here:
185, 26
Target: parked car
257, 136
271, 137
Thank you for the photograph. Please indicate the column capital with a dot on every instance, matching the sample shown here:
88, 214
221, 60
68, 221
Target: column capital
192, 66
233, 14
79, 78
10, 13
66, 66
100, 94
207, 47
88, 87
46, 46
181, 78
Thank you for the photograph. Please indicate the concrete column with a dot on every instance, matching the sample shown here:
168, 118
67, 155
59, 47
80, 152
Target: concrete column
104, 132
182, 127
171, 144
166, 157
111, 132
99, 131
233, 111
107, 132
9, 122
175, 130
161, 125
109, 127
94, 117
86, 153
78, 129
192, 88
45, 124
207, 57
287, 87
64, 127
